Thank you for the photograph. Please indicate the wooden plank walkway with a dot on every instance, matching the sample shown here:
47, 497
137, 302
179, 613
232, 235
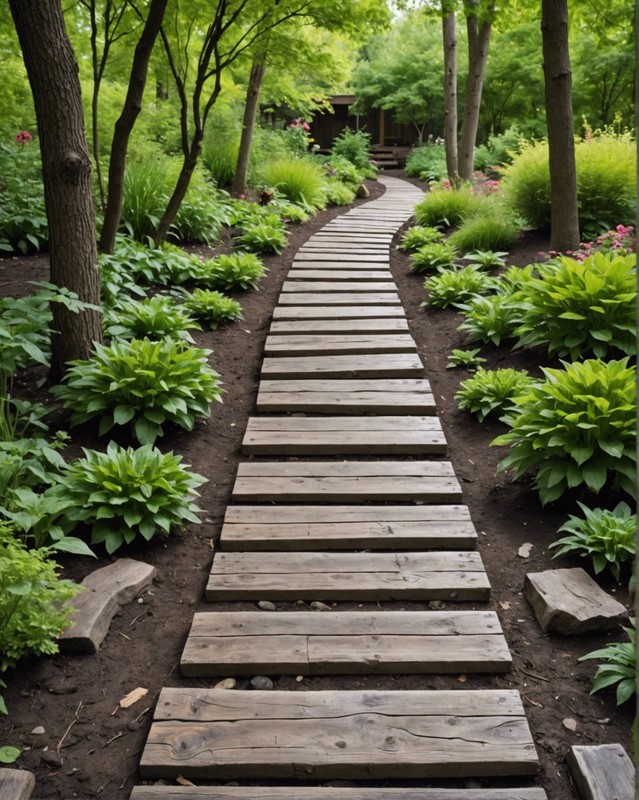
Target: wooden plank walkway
342, 384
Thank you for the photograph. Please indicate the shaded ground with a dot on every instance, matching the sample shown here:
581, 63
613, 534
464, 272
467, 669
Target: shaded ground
93, 747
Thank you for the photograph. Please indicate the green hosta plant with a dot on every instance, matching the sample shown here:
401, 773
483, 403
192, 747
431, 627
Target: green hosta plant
419, 235
124, 493
155, 317
263, 237
489, 319
456, 286
8, 753
575, 429
433, 257
490, 391
620, 667
235, 271
606, 537
141, 382
32, 597
212, 306
291, 212
579, 307
487, 259
464, 358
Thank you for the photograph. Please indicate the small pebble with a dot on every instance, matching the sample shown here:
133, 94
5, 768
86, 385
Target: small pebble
317, 605
266, 605
261, 682
437, 605
51, 759
227, 683
299, 678
133, 725
38, 731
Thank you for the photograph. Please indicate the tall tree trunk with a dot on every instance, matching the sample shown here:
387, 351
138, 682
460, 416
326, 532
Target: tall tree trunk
478, 41
126, 121
450, 93
248, 123
637, 130
66, 169
564, 214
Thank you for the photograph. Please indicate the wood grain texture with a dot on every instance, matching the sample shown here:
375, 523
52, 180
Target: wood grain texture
339, 326
337, 312
344, 436
159, 792
364, 275
440, 575
332, 735
314, 527
308, 643
357, 298
396, 365
16, 784
602, 772
323, 255
338, 286
335, 344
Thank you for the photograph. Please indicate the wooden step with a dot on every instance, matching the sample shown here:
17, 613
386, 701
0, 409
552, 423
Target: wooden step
311, 527
344, 643
375, 258
347, 482
357, 298
339, 326
343, 265
372, 435
393, 365
438, 575
349, 248
323, 735
386, 396
338, 312
322, 344
363, 275
339, 286
162, 792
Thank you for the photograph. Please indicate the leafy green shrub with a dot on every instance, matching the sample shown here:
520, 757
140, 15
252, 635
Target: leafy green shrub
446, 207
200, 216
489, 319
605, 183
489, 231
23, 218
8, 753
234, 271
620, 669
427, 163
464, 358
490, 391
292, 213
606, 537
355, 147
300, 180
345, 171
433, 257
487, 259
263, 237
456, 286
418, 236
212, 306
154, 317
141, 382
575, 429
125, 493
500, 149
24, 329
581, 307
32, 597
337, 193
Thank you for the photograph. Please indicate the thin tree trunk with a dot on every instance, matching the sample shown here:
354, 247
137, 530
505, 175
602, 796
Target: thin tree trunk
95, 105
126, 121
450, 93
180, 190
564, 214
258, 69
637, 129
478, 41
66, 170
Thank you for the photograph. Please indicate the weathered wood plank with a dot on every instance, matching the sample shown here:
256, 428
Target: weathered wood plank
364, 275
397, 365
602, 772
16, 784
201, 733
337, 312
339, 286
339, 266
347, 482
347, 528
370, 258
361, 297
348, 248
439, 575
307, 643
339, 326
160, 792
321, 344
371, 435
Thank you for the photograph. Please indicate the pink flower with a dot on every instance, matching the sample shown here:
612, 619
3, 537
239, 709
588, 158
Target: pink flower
23, 137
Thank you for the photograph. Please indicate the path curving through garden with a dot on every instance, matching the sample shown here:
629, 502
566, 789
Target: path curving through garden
344, 496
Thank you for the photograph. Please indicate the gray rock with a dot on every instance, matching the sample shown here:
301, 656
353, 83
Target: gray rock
362, 192
51, 759
266, 605
317, 605
436, 605
261, 682
227, 683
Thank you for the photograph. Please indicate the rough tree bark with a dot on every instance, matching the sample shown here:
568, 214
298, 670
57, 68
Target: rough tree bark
126, 121
564, 214
66, 167
256, 77
637, 126
478, 41
450, 92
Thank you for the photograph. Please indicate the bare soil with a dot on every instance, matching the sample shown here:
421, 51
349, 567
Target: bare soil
91, 748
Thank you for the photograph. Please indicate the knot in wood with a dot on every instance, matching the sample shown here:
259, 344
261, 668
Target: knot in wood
74, 166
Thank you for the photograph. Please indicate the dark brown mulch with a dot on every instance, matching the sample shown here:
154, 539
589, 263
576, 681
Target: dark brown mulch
75, 698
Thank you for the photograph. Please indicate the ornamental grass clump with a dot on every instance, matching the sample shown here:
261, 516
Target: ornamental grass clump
433, 257
584, 307
419, 235
575, 430
446, 207
143, 384
491, 391
457, 286
155, 318
491, 230
126, 493
605, 536
212, 306
300, 180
